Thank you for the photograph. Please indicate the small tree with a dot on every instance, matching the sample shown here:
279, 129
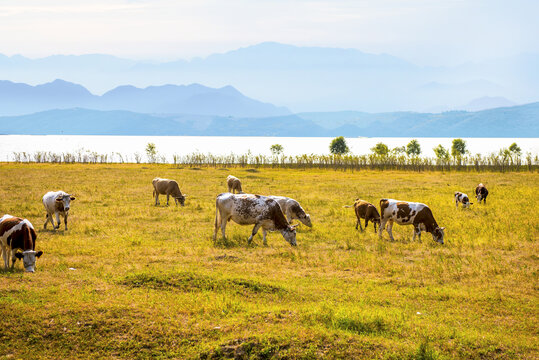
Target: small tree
413, 148
338, 146
398, 150
380, 149
458, 149
151, 152
442, 154
276, 149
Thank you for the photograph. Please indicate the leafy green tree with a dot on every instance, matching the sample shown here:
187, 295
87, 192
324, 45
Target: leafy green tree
398, 150
276, 149
380, 149
151, 152
441, 153
515, 149
338, 146
458, 149
413, 148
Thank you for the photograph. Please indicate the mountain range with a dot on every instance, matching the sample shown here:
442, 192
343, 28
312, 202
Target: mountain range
301, 78
19, 98
516, 121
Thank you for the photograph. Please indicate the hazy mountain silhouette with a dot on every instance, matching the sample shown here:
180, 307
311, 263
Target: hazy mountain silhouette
302, 78
17, 99
516, 121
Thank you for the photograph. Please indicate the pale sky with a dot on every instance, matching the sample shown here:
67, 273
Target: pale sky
427, 32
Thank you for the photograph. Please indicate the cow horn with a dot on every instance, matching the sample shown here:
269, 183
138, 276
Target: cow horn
294, 226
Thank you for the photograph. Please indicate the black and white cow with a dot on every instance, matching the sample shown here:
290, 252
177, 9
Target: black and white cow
481, 193
463, 199
248, 209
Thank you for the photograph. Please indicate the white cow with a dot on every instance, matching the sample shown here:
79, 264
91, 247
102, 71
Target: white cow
248, 209
292, 209
57, 203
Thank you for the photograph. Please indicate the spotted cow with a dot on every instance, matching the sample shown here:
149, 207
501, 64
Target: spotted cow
481, 193
169, 188
234, 184
409, 213
292, 209
463, 199
18, 234
365, 210
57, 203
248, 209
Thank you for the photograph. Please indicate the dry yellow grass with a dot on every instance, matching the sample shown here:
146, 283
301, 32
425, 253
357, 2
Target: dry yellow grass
150, 283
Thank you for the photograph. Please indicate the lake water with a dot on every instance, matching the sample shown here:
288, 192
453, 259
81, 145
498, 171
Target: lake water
218, 145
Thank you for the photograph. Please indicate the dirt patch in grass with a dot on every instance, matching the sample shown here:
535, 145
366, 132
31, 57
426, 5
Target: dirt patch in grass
188, 281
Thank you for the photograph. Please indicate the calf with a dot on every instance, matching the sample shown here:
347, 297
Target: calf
481, 193
462, 198
248, 209
169, 188
409, 213
15, 234
292, 209
57, 203
365, 210
234, 184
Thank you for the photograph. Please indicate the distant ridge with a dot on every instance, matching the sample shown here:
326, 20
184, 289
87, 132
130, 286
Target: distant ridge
516, 121
19, 99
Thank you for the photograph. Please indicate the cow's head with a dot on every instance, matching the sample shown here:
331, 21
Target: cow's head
29, 259
289, 234
306, 219
438, 234
180, 199
65, 200
479, 194
466, 202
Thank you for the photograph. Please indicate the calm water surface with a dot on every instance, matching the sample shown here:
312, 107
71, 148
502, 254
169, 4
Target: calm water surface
221, 145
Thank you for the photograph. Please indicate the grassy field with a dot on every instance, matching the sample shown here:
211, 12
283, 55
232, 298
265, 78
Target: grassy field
132, 280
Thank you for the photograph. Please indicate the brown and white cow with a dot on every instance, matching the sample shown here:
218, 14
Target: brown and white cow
409, 213
234, 184
292, 209
57, 203
248, 209
15, 234
481, 193
169, 188
463, 199
365, 210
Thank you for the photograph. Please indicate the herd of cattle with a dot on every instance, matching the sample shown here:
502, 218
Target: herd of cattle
271, 213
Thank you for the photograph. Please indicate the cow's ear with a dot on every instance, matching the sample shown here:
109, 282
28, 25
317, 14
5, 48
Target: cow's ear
19, 255
442, 228
59, 199
184, 195
39, 253
72, 198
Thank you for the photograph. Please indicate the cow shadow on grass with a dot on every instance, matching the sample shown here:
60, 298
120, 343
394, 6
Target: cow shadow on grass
234, 241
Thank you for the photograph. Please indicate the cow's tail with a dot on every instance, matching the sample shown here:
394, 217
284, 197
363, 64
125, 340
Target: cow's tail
217, 215
154, 193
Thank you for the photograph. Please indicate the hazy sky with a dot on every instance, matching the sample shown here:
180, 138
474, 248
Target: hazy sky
433, 32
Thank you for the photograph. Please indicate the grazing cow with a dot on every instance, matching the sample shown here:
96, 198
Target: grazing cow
57, 203
248, 209
169, 188
15, 234
365, 210
409, 213
292, 209
481, 193
462, 198
234, 184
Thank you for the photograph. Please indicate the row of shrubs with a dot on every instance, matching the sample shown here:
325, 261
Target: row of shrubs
500, 161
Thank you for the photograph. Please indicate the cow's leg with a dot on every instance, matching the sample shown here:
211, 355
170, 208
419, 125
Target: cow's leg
47, 221
457, 204
390, 230
382, 227
168, 195
253, 233
5, 256
223, 226
57, 221
264, 232
374, 224
156, 198
13, 257
65, 220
